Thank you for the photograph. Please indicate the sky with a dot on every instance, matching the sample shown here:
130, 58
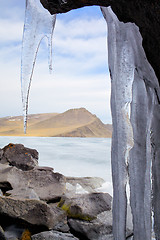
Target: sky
80, 75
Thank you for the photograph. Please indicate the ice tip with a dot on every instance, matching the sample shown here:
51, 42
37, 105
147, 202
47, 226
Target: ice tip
50, 69
25, 124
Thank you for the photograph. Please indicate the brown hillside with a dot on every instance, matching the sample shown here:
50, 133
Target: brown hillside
72, 123
94, 129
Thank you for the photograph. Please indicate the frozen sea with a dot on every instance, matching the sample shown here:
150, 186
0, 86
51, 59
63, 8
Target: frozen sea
77, 157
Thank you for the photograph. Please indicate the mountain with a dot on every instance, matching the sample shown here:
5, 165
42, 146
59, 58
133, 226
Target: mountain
72, 123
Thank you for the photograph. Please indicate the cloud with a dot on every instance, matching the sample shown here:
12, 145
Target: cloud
84, 28
10, 31
80, 74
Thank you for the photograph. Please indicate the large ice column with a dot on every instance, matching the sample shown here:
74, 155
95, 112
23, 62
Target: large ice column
39, 23
133, 85
155, 138
121, 65
140, 158
144, 96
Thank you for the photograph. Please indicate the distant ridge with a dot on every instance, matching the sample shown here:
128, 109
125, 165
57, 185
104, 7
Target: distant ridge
77, 122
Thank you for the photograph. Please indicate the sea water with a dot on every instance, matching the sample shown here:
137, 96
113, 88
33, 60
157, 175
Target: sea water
75, 157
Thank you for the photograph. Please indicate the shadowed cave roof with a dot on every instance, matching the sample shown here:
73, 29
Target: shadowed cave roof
144, 13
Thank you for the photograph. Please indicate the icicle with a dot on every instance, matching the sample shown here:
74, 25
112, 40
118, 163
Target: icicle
39, 23
133, 84
121, 64
156, 169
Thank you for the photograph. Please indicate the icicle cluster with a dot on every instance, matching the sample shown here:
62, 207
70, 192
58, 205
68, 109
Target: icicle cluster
39, 23
135, 114
134, 89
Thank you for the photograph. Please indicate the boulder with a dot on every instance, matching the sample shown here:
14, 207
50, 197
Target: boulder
62, 224
13, 232
23, 193
86, 206
19, 156
2, 236
1, 193
97, 229
53, 235
1, 153
33, 212
49, 186
83, 184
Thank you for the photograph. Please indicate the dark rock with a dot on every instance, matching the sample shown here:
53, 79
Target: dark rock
42, 168
86, 206
19, 156
98, 229
145, 14
53, 235
33, 212
1, 193
23, 193
62, 224
2, 236
13, 232
12, 238
49, 186
1, 153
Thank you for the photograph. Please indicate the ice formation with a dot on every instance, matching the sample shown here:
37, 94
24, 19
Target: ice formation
135, 113
134, 89
39, 23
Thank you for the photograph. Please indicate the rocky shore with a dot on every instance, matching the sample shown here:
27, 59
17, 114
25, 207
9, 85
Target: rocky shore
37, 203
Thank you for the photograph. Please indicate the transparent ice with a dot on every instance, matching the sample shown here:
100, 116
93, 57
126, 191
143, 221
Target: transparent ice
39, 23
134, 89
135, 113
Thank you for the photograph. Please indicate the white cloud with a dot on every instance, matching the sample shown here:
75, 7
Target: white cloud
80, 76
10, 30
85, 28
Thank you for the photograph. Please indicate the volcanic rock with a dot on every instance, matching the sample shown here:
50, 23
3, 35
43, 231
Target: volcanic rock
1, 153
19, 156
97, 229
53, 235
33, 212
2, 236
86, 206
48, 185
23, 193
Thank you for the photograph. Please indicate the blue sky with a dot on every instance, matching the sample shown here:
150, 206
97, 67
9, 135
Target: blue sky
80, 75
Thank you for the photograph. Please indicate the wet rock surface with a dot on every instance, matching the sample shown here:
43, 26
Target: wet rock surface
38, 204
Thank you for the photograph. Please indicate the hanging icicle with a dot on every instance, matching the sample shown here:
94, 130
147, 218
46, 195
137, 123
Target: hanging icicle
39, 23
